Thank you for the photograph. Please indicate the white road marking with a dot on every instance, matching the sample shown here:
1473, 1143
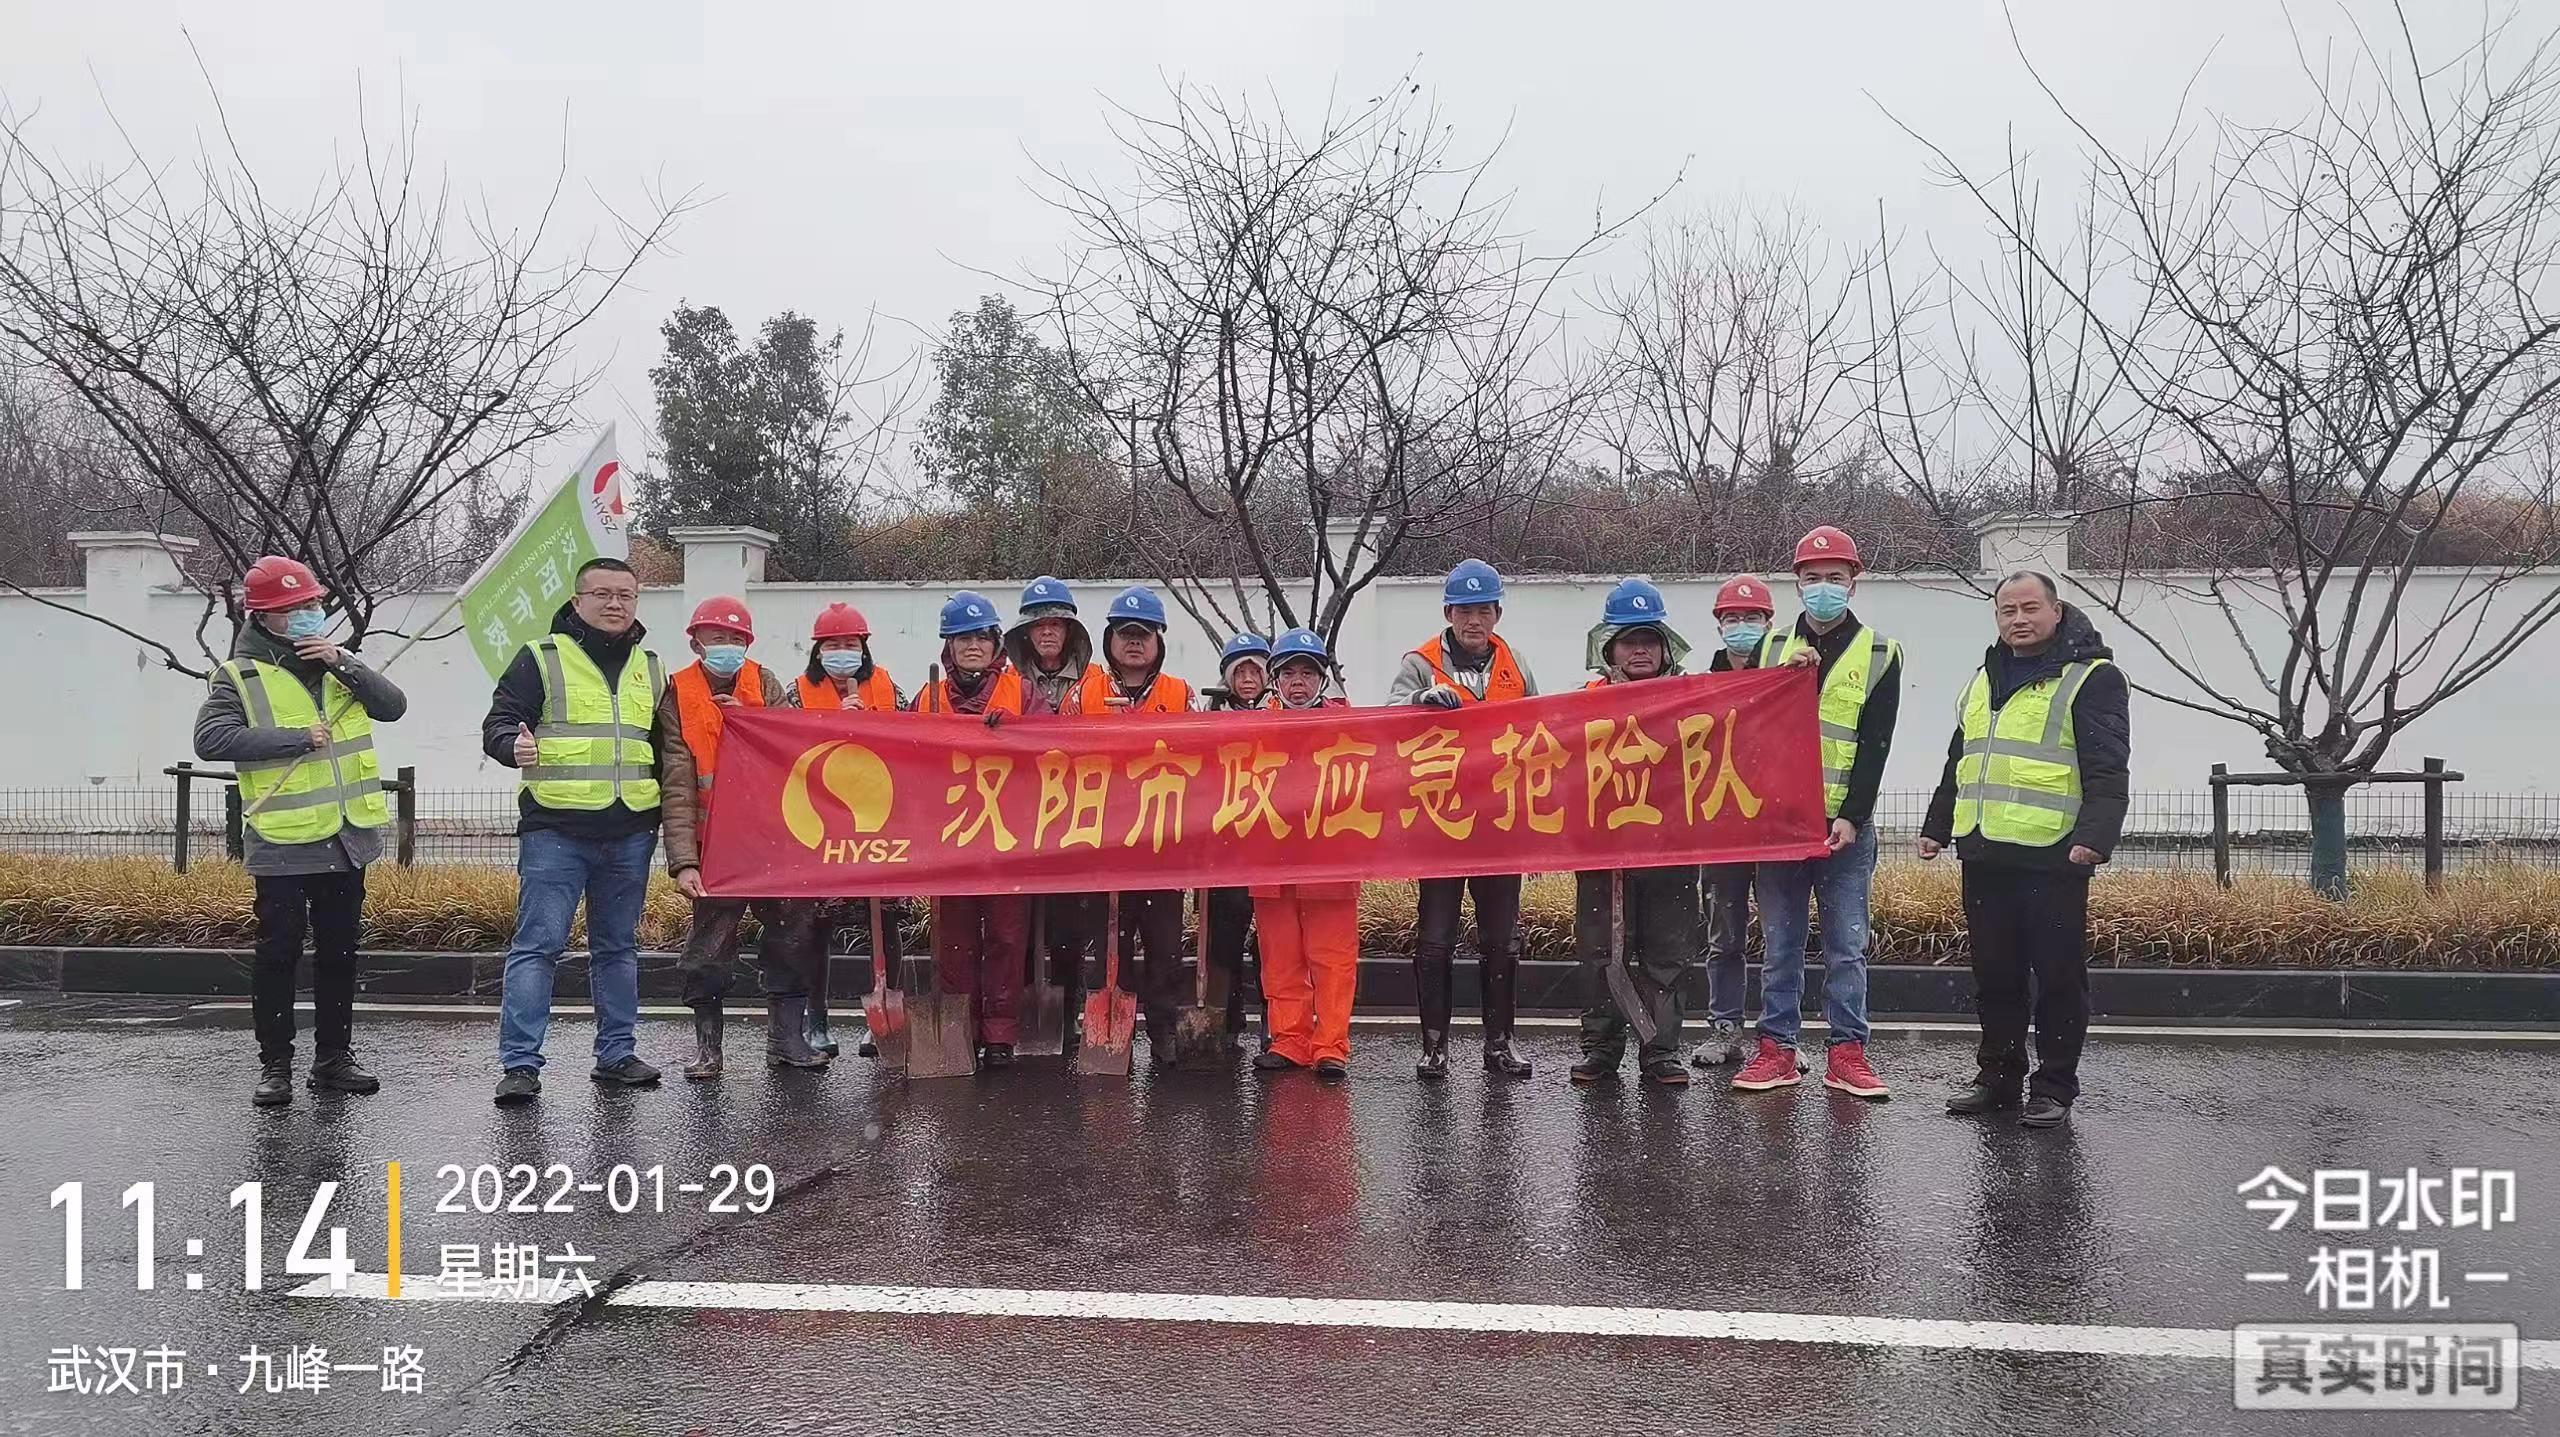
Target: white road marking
1849, 1330
852, 1018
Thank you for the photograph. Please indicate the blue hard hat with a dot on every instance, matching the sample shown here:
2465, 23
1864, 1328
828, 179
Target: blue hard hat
1243, 646
1299, 644
968, 612
1045, 596
1634, 602
1473, 582
1136, 604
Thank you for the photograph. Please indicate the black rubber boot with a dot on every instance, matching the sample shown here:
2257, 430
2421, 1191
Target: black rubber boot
819, 1035
275, 1083
996, 1055
1591, 1070
337, 1073
709, 1024
1434, 1064
1268, 1061
1330, 1071
1163, 1049
1500, 1057
786, 1041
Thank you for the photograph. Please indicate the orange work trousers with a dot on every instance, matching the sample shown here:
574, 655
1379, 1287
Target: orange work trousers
1310, 967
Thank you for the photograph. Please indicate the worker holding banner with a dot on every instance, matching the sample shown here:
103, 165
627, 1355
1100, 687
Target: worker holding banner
1244, 668
1049, 647
979, 942
691, 714
842, 677
1132, 681
1466, 663
1743, 611
1310, 931
1639, 921
1861, 696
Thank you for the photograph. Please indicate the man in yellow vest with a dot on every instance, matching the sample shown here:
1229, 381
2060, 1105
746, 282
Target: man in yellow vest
1466, 663
2032, 800
1861, 674
294, 713
691, 715
577, 715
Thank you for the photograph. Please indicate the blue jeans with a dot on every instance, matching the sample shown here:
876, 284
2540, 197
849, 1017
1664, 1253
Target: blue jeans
1838, 885
1728, 899
553, 870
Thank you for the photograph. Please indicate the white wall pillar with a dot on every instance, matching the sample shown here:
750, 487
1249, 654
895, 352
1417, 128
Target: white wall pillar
1358, 644
721, 559
2015, 542
122, 569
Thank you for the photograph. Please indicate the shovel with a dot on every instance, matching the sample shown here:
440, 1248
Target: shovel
884, 1008
1199, 1030
1622, 986
945, 1044
1043, 1029
1110, 1015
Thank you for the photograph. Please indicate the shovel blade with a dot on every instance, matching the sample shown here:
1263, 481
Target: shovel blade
945, 1041
1042, 1030
884, 1017
1110, 1025
1200, 1032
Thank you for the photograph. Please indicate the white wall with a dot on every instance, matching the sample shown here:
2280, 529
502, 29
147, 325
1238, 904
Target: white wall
70, 732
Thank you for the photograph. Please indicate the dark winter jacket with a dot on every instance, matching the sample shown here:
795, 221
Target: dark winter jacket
2102, 733
1044, 691
225, 735
1875, 720
518, 702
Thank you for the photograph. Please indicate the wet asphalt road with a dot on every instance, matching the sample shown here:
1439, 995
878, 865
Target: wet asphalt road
1221, 1182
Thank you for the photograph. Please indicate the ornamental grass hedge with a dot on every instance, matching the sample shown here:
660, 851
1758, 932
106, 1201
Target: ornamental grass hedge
2490, 918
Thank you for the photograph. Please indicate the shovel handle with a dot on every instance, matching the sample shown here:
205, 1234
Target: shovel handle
1201, 981
1111, 944
879, 951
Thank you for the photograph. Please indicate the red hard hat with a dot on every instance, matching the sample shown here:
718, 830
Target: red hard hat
839, 621
1744, 594
276, 582
1826, 542
724, 612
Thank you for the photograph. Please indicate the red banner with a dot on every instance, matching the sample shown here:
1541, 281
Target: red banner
1704, 769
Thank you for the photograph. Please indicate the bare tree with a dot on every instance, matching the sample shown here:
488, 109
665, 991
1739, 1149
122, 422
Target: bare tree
1286, 324
2348, 331
316, 375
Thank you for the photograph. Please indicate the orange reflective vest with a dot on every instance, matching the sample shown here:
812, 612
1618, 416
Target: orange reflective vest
1007, 697
1502, 680
875, 692
701, 717
1166, 695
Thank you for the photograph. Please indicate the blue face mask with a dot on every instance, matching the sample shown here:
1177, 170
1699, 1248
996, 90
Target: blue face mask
1744, 635
1826, 602
724, 659
305, 624
841, 663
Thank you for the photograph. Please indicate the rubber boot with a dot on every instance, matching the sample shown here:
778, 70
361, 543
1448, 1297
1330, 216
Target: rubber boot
786, 1040
819, 1037
275, 1083
709, 1023
1434, 1065
1500, 1057
1162, 1047
1501, 976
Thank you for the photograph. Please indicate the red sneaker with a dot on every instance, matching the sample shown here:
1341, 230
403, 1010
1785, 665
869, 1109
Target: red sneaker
1774, 1067
1850, 1073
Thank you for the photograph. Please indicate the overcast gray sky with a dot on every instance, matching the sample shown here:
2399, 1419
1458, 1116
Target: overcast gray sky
860, 156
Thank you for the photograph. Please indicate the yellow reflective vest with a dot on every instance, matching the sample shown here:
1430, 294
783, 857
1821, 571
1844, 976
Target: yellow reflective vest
1844, 697
592, 746
309, 797
2018, 774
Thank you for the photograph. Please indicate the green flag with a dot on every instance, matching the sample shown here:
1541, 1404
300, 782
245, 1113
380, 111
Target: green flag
513, 596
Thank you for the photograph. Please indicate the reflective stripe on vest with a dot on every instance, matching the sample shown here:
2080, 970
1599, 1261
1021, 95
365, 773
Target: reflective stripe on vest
876, 693
1502, 678
308, 797
698, 711
589, 750
1844, 697
2018, 772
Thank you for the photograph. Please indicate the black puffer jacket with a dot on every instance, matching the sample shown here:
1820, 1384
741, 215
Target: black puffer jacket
2102, 731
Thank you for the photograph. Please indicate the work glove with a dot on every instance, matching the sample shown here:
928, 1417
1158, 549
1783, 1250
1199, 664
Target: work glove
1438, 696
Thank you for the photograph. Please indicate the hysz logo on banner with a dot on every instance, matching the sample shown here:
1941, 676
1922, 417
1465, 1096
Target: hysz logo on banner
858, 790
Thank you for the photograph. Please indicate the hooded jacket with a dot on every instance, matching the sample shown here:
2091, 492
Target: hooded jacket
225, 735
1045, 691
518, 702
2102, 734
